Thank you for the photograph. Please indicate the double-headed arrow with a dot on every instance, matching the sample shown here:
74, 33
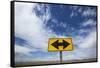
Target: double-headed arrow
56, 44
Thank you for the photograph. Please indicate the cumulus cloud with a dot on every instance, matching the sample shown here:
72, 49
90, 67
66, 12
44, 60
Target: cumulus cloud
75, 11
33, 59
23, 49
43, 12
84, 47
30, 27
89, 12
89, 22
89, 41
80, 54
84, 11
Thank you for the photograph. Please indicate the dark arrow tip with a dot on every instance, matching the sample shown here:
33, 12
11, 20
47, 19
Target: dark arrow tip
65, 44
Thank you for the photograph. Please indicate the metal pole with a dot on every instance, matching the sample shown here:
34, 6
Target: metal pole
60, 56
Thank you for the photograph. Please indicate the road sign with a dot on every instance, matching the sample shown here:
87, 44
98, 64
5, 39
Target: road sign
60, 44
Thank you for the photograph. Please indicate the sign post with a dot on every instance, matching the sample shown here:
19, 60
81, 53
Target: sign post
60, 44
61, 57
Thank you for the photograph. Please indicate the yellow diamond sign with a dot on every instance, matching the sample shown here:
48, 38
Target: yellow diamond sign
60, 44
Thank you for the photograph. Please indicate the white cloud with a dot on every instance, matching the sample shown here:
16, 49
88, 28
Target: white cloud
89, 12
89, 41
83, 31
80, 54
89, 22
55, 21
74, 55
31, 59
30, 27
23, 49
75, 11
84, 47
46, 15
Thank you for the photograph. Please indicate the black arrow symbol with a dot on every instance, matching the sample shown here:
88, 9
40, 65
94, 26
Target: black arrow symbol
56, 44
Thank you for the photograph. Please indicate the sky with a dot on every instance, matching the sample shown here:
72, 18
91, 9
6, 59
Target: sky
35, 23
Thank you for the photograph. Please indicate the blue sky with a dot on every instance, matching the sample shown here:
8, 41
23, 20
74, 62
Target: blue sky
36, 23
